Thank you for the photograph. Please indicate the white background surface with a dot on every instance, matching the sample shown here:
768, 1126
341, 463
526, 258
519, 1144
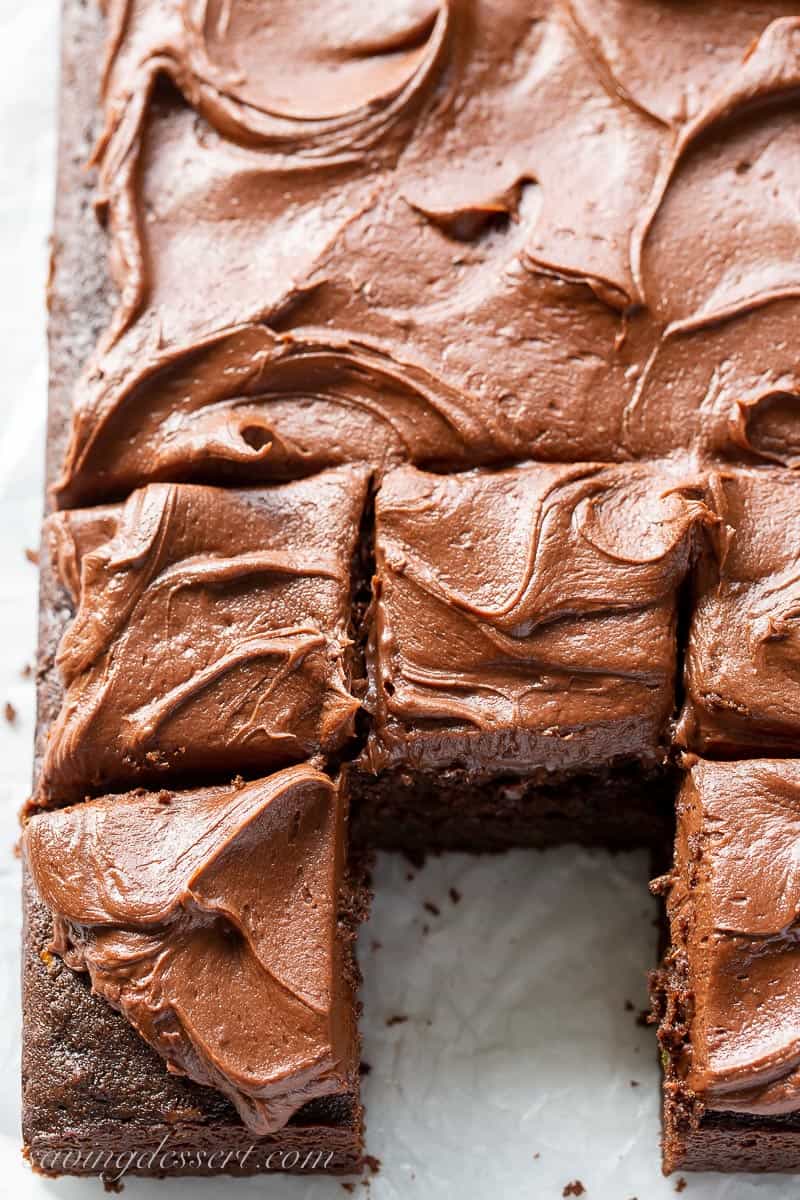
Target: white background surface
518, 1042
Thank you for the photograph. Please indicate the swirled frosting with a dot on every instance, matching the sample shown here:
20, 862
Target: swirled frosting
743, 658
445, 233
525, 619
734, 908
211, 632
209, 919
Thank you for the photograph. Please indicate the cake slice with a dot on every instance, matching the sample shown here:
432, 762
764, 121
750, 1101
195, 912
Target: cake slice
522, 652
211, 633
728, 993
219, 922
741, 675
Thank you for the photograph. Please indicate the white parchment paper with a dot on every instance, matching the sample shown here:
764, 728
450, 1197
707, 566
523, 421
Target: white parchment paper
518, 1067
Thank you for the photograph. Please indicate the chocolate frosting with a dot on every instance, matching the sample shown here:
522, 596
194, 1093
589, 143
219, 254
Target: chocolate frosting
211, 634
734, 910
209, 919
525, 619
743, 659
393, 268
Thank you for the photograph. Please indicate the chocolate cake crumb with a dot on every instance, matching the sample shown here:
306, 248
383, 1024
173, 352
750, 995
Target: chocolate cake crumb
372, 1164
364, 1068
26, 670
396, 1020
455, 895
432, 908
645, 1018
32, 556
575, 1188
630, 1006
634, 1083
10, 713
680, 1184
349, 1187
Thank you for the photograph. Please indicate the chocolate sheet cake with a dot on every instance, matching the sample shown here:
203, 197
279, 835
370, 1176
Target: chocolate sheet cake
422, 424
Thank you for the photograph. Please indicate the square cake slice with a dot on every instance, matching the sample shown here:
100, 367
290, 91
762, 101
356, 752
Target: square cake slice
523, 633
211, 633
728, 993
743, 660
190, 981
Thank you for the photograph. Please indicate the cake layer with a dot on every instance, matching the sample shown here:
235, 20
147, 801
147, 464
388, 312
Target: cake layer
211, 632
729, 992
392, 268
742, 678
524, 620
620, 807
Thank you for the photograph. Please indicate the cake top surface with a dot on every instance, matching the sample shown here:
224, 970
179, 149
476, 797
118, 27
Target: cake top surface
209, 919
734, 907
